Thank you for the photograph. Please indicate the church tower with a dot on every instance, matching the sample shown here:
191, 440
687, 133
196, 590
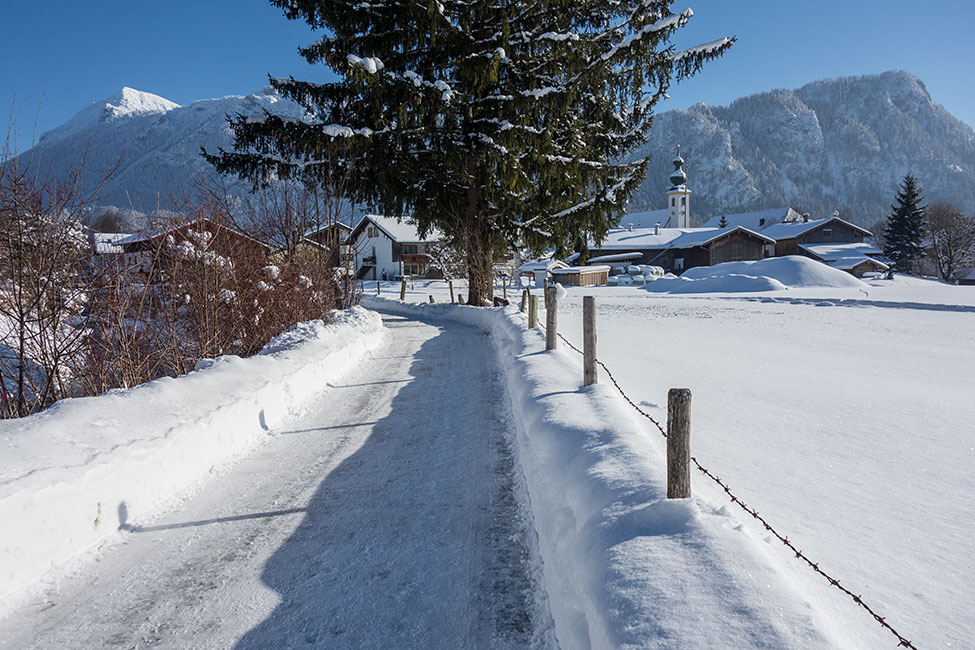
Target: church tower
678, 196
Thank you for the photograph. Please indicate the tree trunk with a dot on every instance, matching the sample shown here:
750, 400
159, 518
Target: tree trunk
480, 275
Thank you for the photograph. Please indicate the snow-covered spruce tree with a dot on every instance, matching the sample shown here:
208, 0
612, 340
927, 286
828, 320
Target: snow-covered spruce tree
492, 122
904, 234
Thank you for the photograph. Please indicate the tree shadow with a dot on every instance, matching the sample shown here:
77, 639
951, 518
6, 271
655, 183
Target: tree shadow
410, 542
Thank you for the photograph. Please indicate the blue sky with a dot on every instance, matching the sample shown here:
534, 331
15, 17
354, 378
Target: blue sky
58, 57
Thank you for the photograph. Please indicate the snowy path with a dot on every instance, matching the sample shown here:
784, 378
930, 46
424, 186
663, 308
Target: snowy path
387, 516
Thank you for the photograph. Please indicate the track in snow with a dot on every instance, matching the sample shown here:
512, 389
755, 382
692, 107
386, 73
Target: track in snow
388, 516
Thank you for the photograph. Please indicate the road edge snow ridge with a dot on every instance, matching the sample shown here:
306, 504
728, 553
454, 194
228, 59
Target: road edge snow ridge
64, 493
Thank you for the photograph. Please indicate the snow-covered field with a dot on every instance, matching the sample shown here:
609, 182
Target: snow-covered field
842, 414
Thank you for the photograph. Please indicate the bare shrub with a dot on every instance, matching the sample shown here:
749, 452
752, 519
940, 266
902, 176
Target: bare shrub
45, 284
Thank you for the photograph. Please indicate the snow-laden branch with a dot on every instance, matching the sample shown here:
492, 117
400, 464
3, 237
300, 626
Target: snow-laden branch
669, 22
704, 48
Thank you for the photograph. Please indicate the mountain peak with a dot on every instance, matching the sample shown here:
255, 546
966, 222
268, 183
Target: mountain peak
127, 102
130, 101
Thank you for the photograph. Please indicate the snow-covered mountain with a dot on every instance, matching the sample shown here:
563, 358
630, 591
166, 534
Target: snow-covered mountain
836, 144
155, 143
841, 144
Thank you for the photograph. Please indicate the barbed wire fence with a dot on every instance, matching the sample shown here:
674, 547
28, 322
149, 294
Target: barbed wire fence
903, 642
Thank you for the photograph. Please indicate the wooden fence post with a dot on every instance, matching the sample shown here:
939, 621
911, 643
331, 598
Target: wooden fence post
551, 318
378, 292
588, 340
451, 283
532, 312
504, 286
432, 300
679, 443
402, 289
524, 300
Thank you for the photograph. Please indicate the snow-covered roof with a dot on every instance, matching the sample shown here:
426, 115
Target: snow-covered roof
622, 238
646, 219
619, 257
344, 228
851, 262
400, 231
755, 220
702, 236
106, 243
644, 238
541, 265
781, 231
578, 269
152, 233
831, 252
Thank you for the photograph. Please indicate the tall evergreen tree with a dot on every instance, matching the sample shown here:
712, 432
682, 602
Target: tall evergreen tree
495, 122
904, 234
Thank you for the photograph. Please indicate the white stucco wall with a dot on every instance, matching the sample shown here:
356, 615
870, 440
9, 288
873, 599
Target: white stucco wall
383, 245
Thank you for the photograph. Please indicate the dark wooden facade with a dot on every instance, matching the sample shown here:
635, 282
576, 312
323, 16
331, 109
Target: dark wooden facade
832, 232
734, 246
582, 277
737, 246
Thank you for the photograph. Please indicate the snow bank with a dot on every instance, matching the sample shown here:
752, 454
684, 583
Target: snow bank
730, 283
623, 567
791, 271
75, 474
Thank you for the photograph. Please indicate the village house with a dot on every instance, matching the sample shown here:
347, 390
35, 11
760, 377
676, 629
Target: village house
334, 236
857, 258
384, 248
201, 239
790, 237
664, 237
676, 246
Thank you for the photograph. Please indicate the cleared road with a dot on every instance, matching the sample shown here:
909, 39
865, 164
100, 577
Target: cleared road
387, 516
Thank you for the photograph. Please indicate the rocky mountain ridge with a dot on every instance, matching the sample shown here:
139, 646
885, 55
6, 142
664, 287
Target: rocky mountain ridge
832, 145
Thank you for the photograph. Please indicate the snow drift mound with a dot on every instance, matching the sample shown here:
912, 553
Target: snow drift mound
770, 274
729, 283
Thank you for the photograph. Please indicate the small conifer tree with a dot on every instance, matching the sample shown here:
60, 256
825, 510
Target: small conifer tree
494, 123
904, 233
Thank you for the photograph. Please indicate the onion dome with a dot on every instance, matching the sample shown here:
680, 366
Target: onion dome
679, 177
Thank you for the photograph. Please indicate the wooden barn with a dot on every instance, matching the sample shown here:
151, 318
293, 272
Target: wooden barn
678, 249
791, 237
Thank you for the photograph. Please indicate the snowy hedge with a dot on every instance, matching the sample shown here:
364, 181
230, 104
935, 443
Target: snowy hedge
71, 476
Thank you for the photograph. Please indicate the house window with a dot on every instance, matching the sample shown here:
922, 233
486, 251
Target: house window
409, 250
673, 201
411, 269
373, 232
679, 264
827, 232
683, 200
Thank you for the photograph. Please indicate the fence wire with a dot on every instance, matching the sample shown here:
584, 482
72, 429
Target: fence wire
857, 598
